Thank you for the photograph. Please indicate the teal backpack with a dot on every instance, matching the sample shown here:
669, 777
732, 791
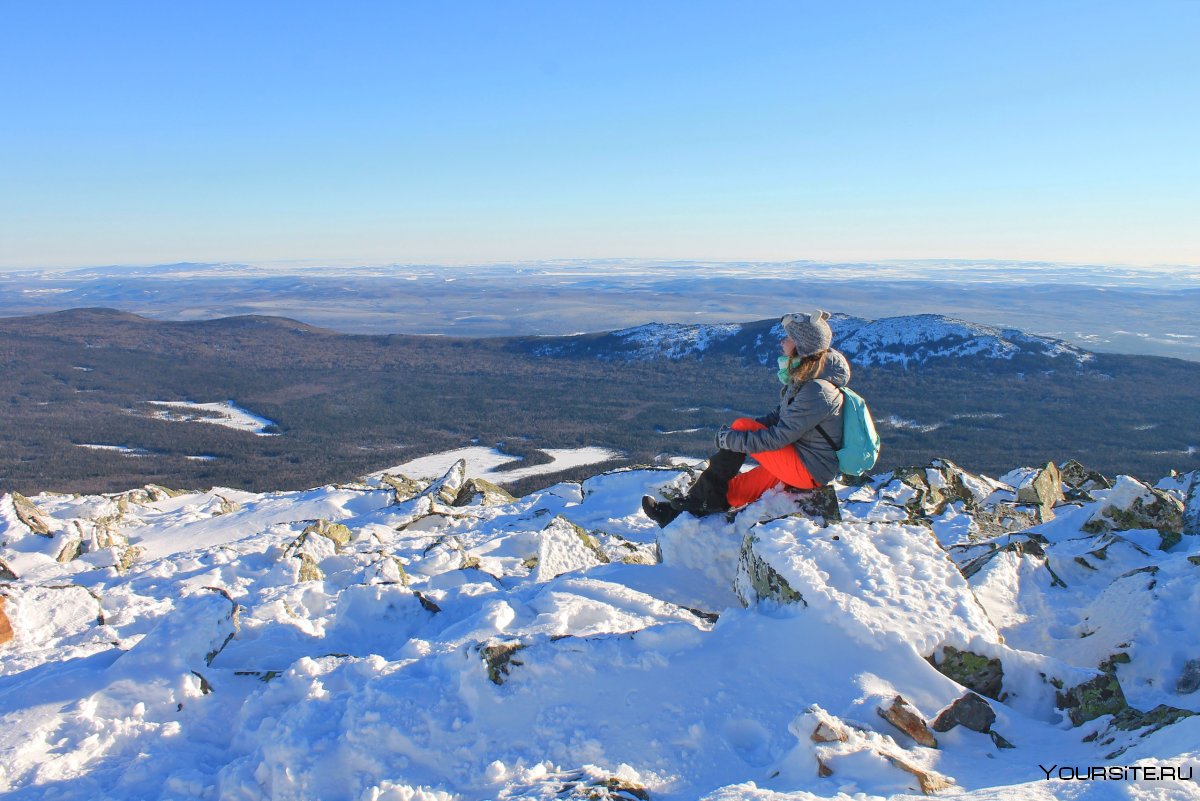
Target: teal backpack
860, 442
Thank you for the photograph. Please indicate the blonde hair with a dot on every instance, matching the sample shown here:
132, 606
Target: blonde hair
801, 369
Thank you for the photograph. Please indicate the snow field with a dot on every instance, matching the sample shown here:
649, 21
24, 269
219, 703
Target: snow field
511, 649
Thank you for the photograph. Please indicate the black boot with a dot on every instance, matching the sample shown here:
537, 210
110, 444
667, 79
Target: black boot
660, 512
708, 494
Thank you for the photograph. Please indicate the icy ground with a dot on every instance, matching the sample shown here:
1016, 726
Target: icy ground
395, 640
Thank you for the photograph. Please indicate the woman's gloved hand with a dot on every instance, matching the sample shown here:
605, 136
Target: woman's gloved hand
722, 435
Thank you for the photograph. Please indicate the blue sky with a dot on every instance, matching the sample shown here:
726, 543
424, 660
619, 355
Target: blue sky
448, 133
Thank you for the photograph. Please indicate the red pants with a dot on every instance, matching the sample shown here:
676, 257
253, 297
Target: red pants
781, 465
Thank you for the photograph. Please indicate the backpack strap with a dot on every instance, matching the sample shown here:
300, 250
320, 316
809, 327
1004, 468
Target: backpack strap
828, 438
832, 446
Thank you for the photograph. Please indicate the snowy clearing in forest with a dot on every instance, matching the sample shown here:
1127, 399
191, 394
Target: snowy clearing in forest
124, 450
483, 462
227, 414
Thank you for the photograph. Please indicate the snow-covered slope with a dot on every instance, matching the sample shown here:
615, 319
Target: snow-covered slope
395, 639
910, 340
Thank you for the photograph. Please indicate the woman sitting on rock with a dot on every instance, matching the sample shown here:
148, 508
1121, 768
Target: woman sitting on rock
796, 445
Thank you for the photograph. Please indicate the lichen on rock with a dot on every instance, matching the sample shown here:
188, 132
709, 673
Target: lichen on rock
979, 673
758, 581
1100, 695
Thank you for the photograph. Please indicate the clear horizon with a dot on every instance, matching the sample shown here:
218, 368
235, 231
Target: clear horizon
147, 133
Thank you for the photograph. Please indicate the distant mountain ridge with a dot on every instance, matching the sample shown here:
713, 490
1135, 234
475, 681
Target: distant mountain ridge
906, 340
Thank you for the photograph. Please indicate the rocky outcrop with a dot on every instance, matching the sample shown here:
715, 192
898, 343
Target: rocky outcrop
6, 572
1133, 505
318, 541
1032, 546
926, 493
819, 504
1129, 720
308, 570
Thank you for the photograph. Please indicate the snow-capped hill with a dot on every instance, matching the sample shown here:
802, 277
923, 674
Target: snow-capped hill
905, 341
918, 339
396, 638
673, 341
644, 342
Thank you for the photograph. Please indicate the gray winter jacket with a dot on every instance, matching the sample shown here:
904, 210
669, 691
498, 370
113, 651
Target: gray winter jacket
794, 422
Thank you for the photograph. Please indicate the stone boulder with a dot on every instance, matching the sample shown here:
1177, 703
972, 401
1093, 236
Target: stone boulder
485, 493
978, 673
969, 711
1189, 678
30, 515
1079, 479
499, 659
337, 533
403, 487
446, 488
1005, 518
904, 716
1042, 489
